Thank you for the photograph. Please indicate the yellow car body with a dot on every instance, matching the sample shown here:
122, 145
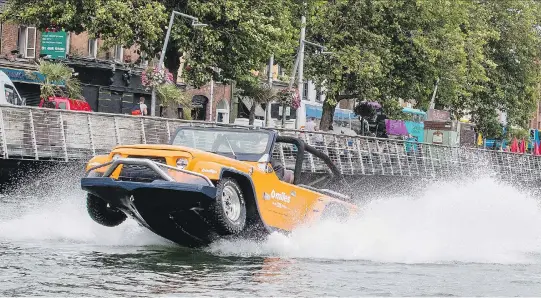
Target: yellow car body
280, 205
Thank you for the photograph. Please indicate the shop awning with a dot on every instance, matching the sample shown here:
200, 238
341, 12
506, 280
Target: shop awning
26, 76
316, 111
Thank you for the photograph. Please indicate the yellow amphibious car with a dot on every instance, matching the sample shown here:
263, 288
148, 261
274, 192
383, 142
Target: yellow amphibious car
210, 183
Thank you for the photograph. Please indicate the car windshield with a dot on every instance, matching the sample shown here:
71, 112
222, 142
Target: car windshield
247, 145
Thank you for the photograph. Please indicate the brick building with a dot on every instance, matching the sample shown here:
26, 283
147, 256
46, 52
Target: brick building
220, 105
111, 78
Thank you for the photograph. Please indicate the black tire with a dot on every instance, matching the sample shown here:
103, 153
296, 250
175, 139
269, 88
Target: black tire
99, 212
226, 220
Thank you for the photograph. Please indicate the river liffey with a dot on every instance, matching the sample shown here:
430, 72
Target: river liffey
453, 239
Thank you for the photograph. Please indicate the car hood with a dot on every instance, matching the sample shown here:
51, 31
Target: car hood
156, 147
171, 150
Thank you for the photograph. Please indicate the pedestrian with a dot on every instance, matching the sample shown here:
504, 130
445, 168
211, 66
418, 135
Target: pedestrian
143, 106
140, 109
310, 125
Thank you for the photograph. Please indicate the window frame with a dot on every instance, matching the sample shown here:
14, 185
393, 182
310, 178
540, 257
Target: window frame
23, 41
68, 42
116, 50
93, 51
305, 87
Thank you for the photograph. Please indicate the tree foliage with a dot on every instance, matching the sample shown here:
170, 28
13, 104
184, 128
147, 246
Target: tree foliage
117, 22
240, 36
171, 97
484, 54
59, 81
256, 92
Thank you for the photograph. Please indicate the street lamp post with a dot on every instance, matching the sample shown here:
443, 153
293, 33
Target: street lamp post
301, 73
300, 63
195, 23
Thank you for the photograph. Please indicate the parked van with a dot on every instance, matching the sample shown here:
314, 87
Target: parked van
8, 93
65, 103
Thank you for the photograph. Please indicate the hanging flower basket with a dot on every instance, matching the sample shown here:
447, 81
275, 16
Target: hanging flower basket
289, 97
151, 77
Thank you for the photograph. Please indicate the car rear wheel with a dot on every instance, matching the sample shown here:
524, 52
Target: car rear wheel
230, 208
103, 214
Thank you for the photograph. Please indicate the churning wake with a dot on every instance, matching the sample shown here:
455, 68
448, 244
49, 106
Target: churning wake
61, 216
479, 221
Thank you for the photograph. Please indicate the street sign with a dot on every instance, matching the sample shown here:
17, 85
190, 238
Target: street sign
438, 115
54, 44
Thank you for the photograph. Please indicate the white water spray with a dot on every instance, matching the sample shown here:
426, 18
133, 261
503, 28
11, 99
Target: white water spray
480, 221
62, 217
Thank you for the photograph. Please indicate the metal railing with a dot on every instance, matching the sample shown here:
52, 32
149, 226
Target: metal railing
46, 134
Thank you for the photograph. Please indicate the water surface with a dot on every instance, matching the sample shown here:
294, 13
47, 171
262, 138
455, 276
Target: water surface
454, 239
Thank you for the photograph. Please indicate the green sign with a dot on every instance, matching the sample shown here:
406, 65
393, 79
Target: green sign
54, 44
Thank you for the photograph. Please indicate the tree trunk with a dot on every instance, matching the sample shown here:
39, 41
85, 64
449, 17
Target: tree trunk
327, 116
252, 113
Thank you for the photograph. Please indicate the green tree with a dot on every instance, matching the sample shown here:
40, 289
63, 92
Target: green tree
59, 81
240, 37
140, 22
256, 91
484, 55
513, 80
387, 50
171, 97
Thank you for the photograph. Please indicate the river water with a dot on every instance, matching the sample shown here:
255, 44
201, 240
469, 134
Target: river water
475, 238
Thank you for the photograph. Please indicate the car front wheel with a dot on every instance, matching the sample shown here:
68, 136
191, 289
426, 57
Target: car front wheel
103, 214
229, 209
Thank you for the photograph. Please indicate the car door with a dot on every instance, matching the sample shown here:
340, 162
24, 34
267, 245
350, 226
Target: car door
282, 205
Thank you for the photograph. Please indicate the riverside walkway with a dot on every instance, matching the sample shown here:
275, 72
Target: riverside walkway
42, 134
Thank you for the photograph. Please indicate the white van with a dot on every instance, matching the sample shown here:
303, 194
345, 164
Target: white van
8, 93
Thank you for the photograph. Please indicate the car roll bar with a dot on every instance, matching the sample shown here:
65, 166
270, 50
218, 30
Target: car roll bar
148, 163
301, 148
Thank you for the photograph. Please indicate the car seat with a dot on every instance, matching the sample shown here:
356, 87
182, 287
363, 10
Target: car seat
289, 177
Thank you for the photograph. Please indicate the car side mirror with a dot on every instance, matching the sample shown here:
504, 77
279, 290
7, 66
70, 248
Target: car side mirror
23, 101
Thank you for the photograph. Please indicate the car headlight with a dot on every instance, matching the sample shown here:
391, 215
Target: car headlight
116, 156
182, 163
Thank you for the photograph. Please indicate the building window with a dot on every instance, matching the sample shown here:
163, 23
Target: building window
118, 54
68, 42
93, 48
222, 112
305, 90
280, 70
318, 94
27, 42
